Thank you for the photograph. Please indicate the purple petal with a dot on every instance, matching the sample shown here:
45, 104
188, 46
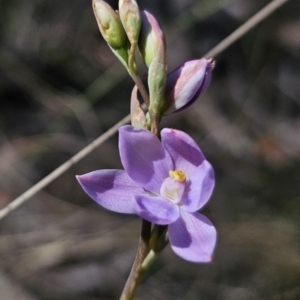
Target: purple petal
186, 83
184, 151
143, 157
156, 209
202, 88
199, 188
112, 189
193, 237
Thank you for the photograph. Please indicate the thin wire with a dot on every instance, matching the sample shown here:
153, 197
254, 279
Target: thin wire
61, 169
256, 19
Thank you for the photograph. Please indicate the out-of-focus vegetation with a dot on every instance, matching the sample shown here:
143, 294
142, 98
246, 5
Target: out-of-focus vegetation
60, 88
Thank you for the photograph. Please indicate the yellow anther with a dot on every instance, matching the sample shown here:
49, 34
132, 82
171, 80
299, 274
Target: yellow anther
178, 175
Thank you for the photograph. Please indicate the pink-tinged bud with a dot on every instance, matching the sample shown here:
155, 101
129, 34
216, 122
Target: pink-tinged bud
186, 83
152, 47
151, 38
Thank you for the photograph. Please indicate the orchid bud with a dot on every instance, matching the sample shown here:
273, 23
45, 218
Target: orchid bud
157, 77
111, 29
152, 47
186, 83
151, 38
131, 20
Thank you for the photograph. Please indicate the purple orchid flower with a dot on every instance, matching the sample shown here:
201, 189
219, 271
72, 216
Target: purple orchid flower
165, 183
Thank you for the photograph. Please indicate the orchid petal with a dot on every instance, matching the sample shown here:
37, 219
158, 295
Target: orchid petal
143, 157
184, 151
156, 209
112, 189
193, 237
199, 188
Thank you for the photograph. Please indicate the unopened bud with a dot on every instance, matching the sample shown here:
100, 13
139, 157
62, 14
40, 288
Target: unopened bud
152, 47
131, 20
186, 83
111, 29
151, 38
157, 77
109, 24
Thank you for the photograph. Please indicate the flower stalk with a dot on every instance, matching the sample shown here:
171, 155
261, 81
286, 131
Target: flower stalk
145, 259
138, 82
138, 269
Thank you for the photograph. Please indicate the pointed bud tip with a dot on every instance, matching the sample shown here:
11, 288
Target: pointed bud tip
79, 177
210, 64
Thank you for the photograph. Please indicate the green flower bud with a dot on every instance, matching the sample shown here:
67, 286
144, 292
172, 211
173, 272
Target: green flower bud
153, 50
151, 38
157, 77
111, 29
109, 24
131, 20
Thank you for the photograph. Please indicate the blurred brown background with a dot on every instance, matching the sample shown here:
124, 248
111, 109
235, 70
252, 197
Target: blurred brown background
60, 88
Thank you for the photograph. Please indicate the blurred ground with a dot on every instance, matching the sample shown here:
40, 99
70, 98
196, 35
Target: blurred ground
60, 88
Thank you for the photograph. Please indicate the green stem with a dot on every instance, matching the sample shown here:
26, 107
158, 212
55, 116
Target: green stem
137, 80
145, 258
148, 261
137, 270
162, 240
